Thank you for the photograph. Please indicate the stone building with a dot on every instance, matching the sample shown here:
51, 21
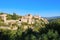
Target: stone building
3, 17
27, 18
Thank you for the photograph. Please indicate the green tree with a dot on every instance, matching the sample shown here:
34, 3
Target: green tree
15, 16
9, 16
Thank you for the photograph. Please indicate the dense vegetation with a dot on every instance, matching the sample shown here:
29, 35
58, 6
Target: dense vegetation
51, 31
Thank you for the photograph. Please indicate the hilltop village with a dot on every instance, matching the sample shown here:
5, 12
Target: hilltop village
23, 20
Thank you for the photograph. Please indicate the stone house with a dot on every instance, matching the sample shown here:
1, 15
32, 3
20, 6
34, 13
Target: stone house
3, 17
27, 18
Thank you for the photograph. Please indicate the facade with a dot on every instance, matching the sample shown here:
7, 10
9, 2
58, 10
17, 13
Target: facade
3, 17
27, 18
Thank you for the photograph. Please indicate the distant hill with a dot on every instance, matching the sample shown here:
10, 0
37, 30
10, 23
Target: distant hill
55, 17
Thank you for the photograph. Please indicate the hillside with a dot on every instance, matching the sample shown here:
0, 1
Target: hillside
55, 17
28, 27
27, 21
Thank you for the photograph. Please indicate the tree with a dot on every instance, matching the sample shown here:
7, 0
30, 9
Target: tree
9, 16
15, 16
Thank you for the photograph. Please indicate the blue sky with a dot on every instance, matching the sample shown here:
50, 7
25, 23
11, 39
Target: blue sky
45, 8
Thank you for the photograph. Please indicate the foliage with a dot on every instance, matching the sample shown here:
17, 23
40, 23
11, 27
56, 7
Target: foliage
9, 16
15, 16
